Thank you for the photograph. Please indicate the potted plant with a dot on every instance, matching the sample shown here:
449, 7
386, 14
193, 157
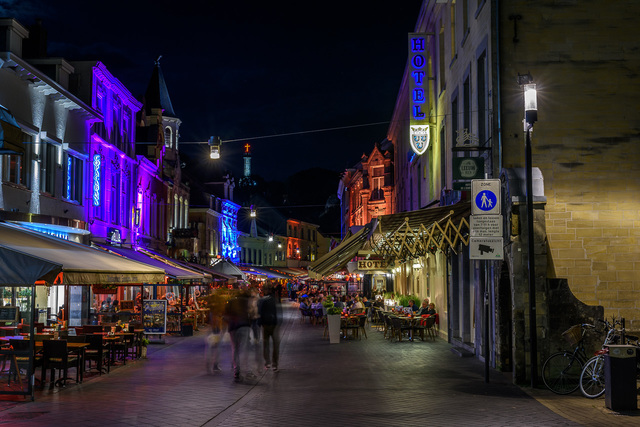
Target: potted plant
143, 347
187, 327
333, 324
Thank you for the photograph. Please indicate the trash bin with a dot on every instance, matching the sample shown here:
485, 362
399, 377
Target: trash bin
620, 378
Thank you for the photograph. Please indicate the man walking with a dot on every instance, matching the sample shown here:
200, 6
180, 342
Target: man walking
269, 319
238, 323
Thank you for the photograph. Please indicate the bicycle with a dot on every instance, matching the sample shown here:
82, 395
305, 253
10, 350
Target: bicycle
592, 381
561, 371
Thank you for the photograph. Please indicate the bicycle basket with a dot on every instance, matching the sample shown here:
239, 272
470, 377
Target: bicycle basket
573, 335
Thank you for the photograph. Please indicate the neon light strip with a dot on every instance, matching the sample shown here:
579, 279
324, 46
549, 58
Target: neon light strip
96, 179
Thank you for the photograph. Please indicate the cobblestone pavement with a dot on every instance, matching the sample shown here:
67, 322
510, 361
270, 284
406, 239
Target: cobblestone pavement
357, 382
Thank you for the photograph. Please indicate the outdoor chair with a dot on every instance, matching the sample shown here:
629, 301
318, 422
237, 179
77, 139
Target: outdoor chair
306, 313
399, 327
97, 352
429, 326
56, 357
125, 348
22, 358
362, 322
350, 324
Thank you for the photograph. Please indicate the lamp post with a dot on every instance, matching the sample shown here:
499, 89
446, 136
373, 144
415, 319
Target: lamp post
530, 117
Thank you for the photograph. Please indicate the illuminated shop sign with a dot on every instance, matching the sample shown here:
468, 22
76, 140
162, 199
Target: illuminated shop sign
419, 130
97, 161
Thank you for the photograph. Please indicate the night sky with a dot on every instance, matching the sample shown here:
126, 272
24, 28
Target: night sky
249, 69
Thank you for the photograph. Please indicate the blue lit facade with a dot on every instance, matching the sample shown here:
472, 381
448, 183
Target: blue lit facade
229, 231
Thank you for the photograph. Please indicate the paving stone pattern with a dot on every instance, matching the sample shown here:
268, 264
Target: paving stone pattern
368, 382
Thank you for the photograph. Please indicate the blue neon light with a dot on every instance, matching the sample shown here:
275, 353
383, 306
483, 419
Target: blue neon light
68, 177
96, 179
229, 231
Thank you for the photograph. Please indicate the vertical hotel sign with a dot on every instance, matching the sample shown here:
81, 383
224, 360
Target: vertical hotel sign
97, 161
418, 79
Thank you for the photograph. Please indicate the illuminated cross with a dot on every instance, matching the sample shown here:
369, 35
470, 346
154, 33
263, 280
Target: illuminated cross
246, 148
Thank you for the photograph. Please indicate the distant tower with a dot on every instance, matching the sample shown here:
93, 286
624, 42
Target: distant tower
247, 160
246, 180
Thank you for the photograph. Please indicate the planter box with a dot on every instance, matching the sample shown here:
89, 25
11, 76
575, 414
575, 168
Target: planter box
187, 330
333, 321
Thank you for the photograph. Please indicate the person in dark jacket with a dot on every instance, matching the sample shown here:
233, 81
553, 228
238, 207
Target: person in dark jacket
270, 319
238, 324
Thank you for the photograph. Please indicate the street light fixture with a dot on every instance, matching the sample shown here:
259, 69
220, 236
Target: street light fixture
530, 117
215, 144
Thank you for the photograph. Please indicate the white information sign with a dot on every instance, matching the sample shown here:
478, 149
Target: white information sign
485, 197
486, 248
486, 225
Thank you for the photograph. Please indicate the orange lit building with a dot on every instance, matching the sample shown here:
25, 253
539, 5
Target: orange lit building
366, 190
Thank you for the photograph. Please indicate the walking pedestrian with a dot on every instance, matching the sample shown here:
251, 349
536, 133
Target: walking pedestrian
269, 319
216, 304
238, 325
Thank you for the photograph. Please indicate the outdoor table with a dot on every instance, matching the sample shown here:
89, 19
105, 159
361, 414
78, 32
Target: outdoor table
411, 321
11, 330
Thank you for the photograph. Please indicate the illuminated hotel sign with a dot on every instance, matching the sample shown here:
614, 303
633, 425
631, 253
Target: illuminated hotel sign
418, 80
96, 179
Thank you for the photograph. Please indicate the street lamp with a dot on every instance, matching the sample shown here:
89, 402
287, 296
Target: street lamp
215, 144
530, 117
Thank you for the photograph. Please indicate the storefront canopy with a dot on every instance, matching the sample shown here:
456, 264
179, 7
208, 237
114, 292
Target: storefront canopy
155, 260
21, 269
81, 264
228, 268
338, 258
264, 271
412, 234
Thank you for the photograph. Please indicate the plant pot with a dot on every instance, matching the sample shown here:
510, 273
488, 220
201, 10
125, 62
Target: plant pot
143, 352
333, 321
187, 330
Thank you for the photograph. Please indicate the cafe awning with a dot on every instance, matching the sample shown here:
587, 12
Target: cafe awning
264, 271
81, 264
10, 134
21, 269
173, 271
228, 268
412, 234
341, 254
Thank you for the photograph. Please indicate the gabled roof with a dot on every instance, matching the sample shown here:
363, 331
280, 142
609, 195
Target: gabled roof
157, 95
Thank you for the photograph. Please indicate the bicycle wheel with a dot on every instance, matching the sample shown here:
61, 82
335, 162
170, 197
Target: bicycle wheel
592, 377
561, 373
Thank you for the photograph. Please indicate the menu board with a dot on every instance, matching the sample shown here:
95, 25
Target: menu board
154, 316
8, 314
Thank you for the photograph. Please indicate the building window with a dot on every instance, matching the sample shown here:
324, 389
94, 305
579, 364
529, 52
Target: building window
73, 179
13, 170
453, 30
48, 169
377, 182
168, 136
466, 113
115, 197
482, 98
454, 120
441, 65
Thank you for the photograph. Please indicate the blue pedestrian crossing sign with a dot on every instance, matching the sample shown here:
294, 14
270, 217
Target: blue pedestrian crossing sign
485, 197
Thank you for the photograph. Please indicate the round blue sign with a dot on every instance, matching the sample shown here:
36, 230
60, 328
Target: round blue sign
486, 200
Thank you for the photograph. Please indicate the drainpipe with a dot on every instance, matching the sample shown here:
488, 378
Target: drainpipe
498, 95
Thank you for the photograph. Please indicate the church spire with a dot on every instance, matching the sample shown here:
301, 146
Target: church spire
157, 95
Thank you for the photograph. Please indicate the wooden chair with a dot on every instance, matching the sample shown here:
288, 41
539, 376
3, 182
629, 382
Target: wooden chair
21, 360
56, 356
97, 352
125, 347
429, 326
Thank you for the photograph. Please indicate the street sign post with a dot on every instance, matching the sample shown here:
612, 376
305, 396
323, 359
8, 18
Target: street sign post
485, 197
485, 248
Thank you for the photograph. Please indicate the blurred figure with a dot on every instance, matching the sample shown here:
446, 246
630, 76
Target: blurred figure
270, 319
238, 324
216, 303
254, 315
